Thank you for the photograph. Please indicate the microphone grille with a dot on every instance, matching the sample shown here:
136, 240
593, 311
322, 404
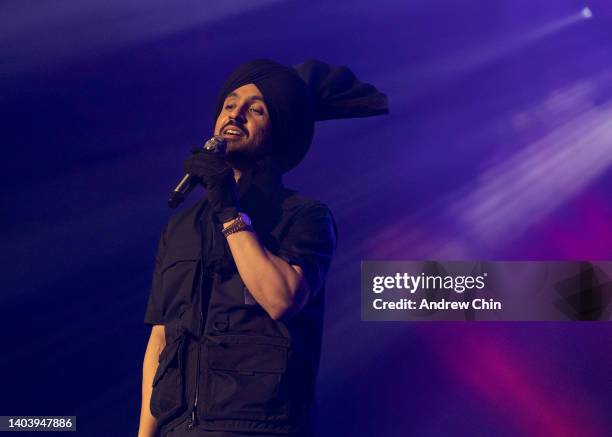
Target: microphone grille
216, 144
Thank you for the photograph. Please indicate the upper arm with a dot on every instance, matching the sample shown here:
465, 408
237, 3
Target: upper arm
158, 334
303, 288
309, 245
157, 340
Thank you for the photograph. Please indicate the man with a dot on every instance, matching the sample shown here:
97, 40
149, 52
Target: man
236, 302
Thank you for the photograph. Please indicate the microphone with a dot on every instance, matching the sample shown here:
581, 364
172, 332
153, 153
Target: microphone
216, 145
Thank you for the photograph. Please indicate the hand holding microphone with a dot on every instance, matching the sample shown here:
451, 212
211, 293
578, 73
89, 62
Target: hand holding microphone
208, 167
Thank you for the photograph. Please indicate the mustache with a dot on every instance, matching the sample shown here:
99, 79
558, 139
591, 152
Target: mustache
237, 125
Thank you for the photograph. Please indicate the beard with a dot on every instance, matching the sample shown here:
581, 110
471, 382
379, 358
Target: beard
243, 157
246, 155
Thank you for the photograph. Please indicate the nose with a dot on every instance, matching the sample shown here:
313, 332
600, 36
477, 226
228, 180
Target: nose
237, 114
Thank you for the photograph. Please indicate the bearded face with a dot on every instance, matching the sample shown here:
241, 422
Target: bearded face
244, 122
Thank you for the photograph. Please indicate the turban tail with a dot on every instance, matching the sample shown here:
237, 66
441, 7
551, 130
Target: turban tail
297, 97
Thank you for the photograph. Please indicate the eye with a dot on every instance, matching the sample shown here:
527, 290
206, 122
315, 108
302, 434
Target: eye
229, 106
257, 110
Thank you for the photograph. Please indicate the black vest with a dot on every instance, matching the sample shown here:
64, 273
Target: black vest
227, 364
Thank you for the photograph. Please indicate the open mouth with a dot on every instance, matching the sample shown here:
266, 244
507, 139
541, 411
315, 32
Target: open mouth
233, 132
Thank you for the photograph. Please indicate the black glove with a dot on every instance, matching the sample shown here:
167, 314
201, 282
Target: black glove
218, 178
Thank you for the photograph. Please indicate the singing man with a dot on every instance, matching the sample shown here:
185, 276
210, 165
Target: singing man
237, 297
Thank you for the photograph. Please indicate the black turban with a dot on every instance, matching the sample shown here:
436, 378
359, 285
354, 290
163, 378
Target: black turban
297, 97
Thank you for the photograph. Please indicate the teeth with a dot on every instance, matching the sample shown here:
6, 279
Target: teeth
233, 132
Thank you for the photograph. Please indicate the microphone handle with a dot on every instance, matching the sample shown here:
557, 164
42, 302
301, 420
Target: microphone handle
181, 191
215, 145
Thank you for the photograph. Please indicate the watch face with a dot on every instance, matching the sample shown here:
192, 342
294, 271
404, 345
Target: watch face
246, 219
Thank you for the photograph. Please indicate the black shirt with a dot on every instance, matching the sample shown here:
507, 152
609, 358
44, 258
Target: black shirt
298, 229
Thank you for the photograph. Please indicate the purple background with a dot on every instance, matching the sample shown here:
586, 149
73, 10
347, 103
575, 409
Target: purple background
498, 146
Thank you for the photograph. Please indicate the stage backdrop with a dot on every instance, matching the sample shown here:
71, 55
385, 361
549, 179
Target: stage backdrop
498, 146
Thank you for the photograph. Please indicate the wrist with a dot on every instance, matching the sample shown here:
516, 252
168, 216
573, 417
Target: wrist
227, 214
229, 222
241, 222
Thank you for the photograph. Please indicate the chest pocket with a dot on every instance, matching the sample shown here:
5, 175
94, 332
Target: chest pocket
246, 377
179, 269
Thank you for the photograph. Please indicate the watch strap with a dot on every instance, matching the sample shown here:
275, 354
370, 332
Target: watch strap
237, 225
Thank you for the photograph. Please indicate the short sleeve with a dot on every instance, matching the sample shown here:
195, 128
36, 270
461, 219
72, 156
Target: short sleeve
153, 313
310, 243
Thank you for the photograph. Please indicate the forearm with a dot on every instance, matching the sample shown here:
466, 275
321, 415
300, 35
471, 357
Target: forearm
148, 423
277, 286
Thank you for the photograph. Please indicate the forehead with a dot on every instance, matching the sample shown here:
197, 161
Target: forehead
248, 91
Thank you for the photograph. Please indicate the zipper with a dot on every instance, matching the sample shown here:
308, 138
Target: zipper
192, 420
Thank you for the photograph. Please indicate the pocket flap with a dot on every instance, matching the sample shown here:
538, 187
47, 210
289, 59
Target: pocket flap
171, 261
167, 357
248, 353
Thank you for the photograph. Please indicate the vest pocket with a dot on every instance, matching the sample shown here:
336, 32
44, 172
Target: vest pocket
167, 396
245, 378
